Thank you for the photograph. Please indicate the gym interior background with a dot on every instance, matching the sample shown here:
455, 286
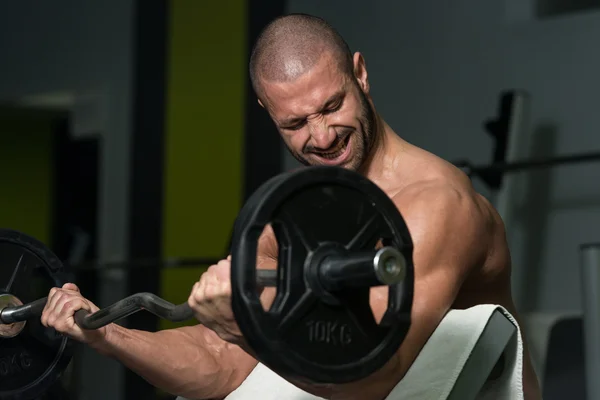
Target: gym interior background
133, 133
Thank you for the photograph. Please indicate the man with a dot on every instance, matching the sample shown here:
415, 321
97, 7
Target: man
317, 93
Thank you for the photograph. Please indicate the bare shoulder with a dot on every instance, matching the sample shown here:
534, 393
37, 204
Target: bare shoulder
442, 196
449, 217
448, 225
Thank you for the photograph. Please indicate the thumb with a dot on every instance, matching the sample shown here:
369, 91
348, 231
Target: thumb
70, 286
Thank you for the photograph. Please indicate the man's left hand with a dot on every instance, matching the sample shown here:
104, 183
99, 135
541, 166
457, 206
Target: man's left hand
210, 300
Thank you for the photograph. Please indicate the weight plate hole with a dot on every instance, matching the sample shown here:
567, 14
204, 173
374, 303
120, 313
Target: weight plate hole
266, 269
379, 294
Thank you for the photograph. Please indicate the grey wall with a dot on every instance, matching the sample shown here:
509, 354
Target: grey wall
76, 47
436, 70
79, 48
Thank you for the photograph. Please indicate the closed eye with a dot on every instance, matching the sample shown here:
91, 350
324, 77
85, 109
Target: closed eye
295, 127
332, 105
334, 108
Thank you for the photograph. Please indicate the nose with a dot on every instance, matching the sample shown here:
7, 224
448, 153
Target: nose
322, 135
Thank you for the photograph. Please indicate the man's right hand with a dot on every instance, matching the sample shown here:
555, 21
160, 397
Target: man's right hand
60, 310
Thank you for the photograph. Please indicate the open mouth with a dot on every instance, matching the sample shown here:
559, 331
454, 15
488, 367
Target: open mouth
338, 151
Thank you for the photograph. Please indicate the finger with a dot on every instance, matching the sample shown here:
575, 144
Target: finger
211, 287
55, 313
71, 286
200, 294
53, 297
208, 272
201, 300
197, 296
223, 271
69, 298
45, 310
207, 281
192, 296
225, 287
214, 303
221, 278
52, 313
65, 321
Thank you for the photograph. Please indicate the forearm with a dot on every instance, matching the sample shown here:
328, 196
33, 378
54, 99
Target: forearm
192, 362
177, 361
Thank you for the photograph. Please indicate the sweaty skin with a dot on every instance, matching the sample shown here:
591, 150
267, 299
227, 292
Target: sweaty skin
461, 256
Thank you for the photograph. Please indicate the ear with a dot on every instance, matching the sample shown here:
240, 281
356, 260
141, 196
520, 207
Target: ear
261, 103
360, 72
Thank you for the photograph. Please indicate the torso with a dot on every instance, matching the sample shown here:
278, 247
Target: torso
488, 283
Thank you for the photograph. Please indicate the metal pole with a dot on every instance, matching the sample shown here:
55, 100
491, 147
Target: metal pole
525, 165
518, 145
590, 289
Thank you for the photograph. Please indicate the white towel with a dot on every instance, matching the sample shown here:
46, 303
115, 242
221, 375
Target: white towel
435, 372
442, 361
264, 384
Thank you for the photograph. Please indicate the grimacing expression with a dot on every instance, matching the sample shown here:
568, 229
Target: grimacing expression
324, 116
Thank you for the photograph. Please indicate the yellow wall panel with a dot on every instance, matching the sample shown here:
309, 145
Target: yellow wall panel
26, 175
204, 134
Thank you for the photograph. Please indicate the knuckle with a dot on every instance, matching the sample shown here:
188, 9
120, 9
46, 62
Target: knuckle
69, 297
210, 271
194, 299
200, 298
50, 321
202, 287
209, 291
68, 307
58, 326
226, 288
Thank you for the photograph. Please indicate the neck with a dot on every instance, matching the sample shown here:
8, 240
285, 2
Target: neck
386, 154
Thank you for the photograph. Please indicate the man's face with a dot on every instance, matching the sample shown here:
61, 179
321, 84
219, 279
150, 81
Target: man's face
323, 116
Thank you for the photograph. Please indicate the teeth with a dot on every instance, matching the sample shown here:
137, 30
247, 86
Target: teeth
336, 153
331, 156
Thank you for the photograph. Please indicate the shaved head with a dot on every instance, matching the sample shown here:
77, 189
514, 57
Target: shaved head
315, 90
291, 45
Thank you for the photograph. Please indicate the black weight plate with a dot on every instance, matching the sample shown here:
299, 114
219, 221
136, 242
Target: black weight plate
302, 335
32, 361
253, 201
